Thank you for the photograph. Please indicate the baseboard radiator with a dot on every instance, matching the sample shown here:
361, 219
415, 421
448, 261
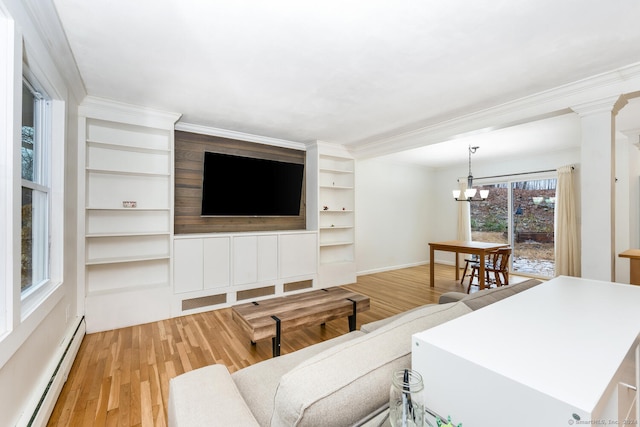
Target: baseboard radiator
43, 407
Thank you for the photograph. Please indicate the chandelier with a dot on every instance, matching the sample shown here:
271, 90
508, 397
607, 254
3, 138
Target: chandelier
470, 192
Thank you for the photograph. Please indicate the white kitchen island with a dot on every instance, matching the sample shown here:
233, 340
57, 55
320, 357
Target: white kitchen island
562, 353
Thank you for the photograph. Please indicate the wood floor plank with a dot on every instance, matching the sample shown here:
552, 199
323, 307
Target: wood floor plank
121, 377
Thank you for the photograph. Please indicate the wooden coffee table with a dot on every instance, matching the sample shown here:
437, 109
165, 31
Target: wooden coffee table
269, 318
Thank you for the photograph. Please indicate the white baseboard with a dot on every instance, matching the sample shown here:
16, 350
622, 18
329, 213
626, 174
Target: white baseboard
45, 397
394, 267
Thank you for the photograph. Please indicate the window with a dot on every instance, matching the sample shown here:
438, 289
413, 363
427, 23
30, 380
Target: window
34, 258
520, 213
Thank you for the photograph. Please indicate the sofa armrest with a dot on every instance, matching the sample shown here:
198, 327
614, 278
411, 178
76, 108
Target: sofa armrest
207, 397
448, 297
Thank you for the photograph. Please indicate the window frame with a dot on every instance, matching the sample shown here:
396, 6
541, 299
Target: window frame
28, 302
40, 185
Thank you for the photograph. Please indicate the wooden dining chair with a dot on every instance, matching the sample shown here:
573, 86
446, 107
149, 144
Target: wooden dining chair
467, 263
496, 269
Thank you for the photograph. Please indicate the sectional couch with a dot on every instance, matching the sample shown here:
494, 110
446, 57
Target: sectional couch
342, 381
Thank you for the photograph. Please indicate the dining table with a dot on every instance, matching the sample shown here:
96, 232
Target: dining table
482, 249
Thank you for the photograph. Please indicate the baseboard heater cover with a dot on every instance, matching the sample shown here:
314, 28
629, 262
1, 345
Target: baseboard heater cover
43, 408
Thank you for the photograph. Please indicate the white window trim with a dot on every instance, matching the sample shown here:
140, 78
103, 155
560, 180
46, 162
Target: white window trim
20, 317
33, 298
8, 49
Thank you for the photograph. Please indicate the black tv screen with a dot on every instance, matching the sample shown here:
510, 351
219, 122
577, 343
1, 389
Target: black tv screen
244, 186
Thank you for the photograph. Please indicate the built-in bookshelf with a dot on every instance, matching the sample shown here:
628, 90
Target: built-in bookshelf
126, 157
336, 216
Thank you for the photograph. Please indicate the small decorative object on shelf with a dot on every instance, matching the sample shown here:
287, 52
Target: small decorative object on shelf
325, 208
343, 209
448, 424
129, 204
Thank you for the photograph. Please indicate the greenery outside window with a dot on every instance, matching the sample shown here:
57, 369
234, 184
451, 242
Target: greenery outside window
36, 136
520, 213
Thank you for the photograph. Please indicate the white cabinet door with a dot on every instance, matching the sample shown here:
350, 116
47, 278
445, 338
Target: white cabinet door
267, 258
298, 254
216, 262
255, 259
245, 260
187, 265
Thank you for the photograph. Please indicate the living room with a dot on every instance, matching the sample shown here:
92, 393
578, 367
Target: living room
401, 206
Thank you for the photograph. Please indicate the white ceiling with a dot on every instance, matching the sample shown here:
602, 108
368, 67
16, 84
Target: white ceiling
351, 72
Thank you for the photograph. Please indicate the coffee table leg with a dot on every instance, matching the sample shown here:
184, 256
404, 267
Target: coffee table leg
352, 318
275, 341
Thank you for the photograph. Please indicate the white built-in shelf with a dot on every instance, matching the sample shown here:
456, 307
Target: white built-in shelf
327, 170
344, 243
131, 148
336, 187
96, 208
336, 225
126, 248
126, 173
120, 260
130, 234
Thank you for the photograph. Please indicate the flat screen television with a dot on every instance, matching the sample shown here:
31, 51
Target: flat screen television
244, 186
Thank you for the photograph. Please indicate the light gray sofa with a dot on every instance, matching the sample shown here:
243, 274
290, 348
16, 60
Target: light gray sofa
340, 382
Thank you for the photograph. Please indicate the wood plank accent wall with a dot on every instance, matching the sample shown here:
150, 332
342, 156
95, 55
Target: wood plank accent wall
189, 163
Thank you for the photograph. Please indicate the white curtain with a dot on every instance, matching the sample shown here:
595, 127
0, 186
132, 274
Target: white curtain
567, 246
464, 219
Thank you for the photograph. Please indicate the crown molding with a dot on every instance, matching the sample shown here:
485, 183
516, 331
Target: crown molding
610, 104
121, 112
46, 37
553, 102
232, 134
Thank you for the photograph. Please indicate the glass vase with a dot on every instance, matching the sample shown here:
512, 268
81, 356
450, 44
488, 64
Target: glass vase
406, 406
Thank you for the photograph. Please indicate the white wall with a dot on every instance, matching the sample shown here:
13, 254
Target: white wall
33, 344
394, 215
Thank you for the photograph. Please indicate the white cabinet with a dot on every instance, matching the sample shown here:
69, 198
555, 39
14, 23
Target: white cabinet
564, 352
126, 189
225, 264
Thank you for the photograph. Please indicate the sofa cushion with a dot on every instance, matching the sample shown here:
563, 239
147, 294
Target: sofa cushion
372, 326
258, 383
346, 382
485, 297
205, 397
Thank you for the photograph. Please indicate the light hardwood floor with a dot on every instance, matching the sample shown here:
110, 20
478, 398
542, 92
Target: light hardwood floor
121, 377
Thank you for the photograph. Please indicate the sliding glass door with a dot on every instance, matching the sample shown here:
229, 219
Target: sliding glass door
520, 213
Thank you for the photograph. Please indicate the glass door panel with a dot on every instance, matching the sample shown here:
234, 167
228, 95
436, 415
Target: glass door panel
521, 214
533, 207
490, 219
